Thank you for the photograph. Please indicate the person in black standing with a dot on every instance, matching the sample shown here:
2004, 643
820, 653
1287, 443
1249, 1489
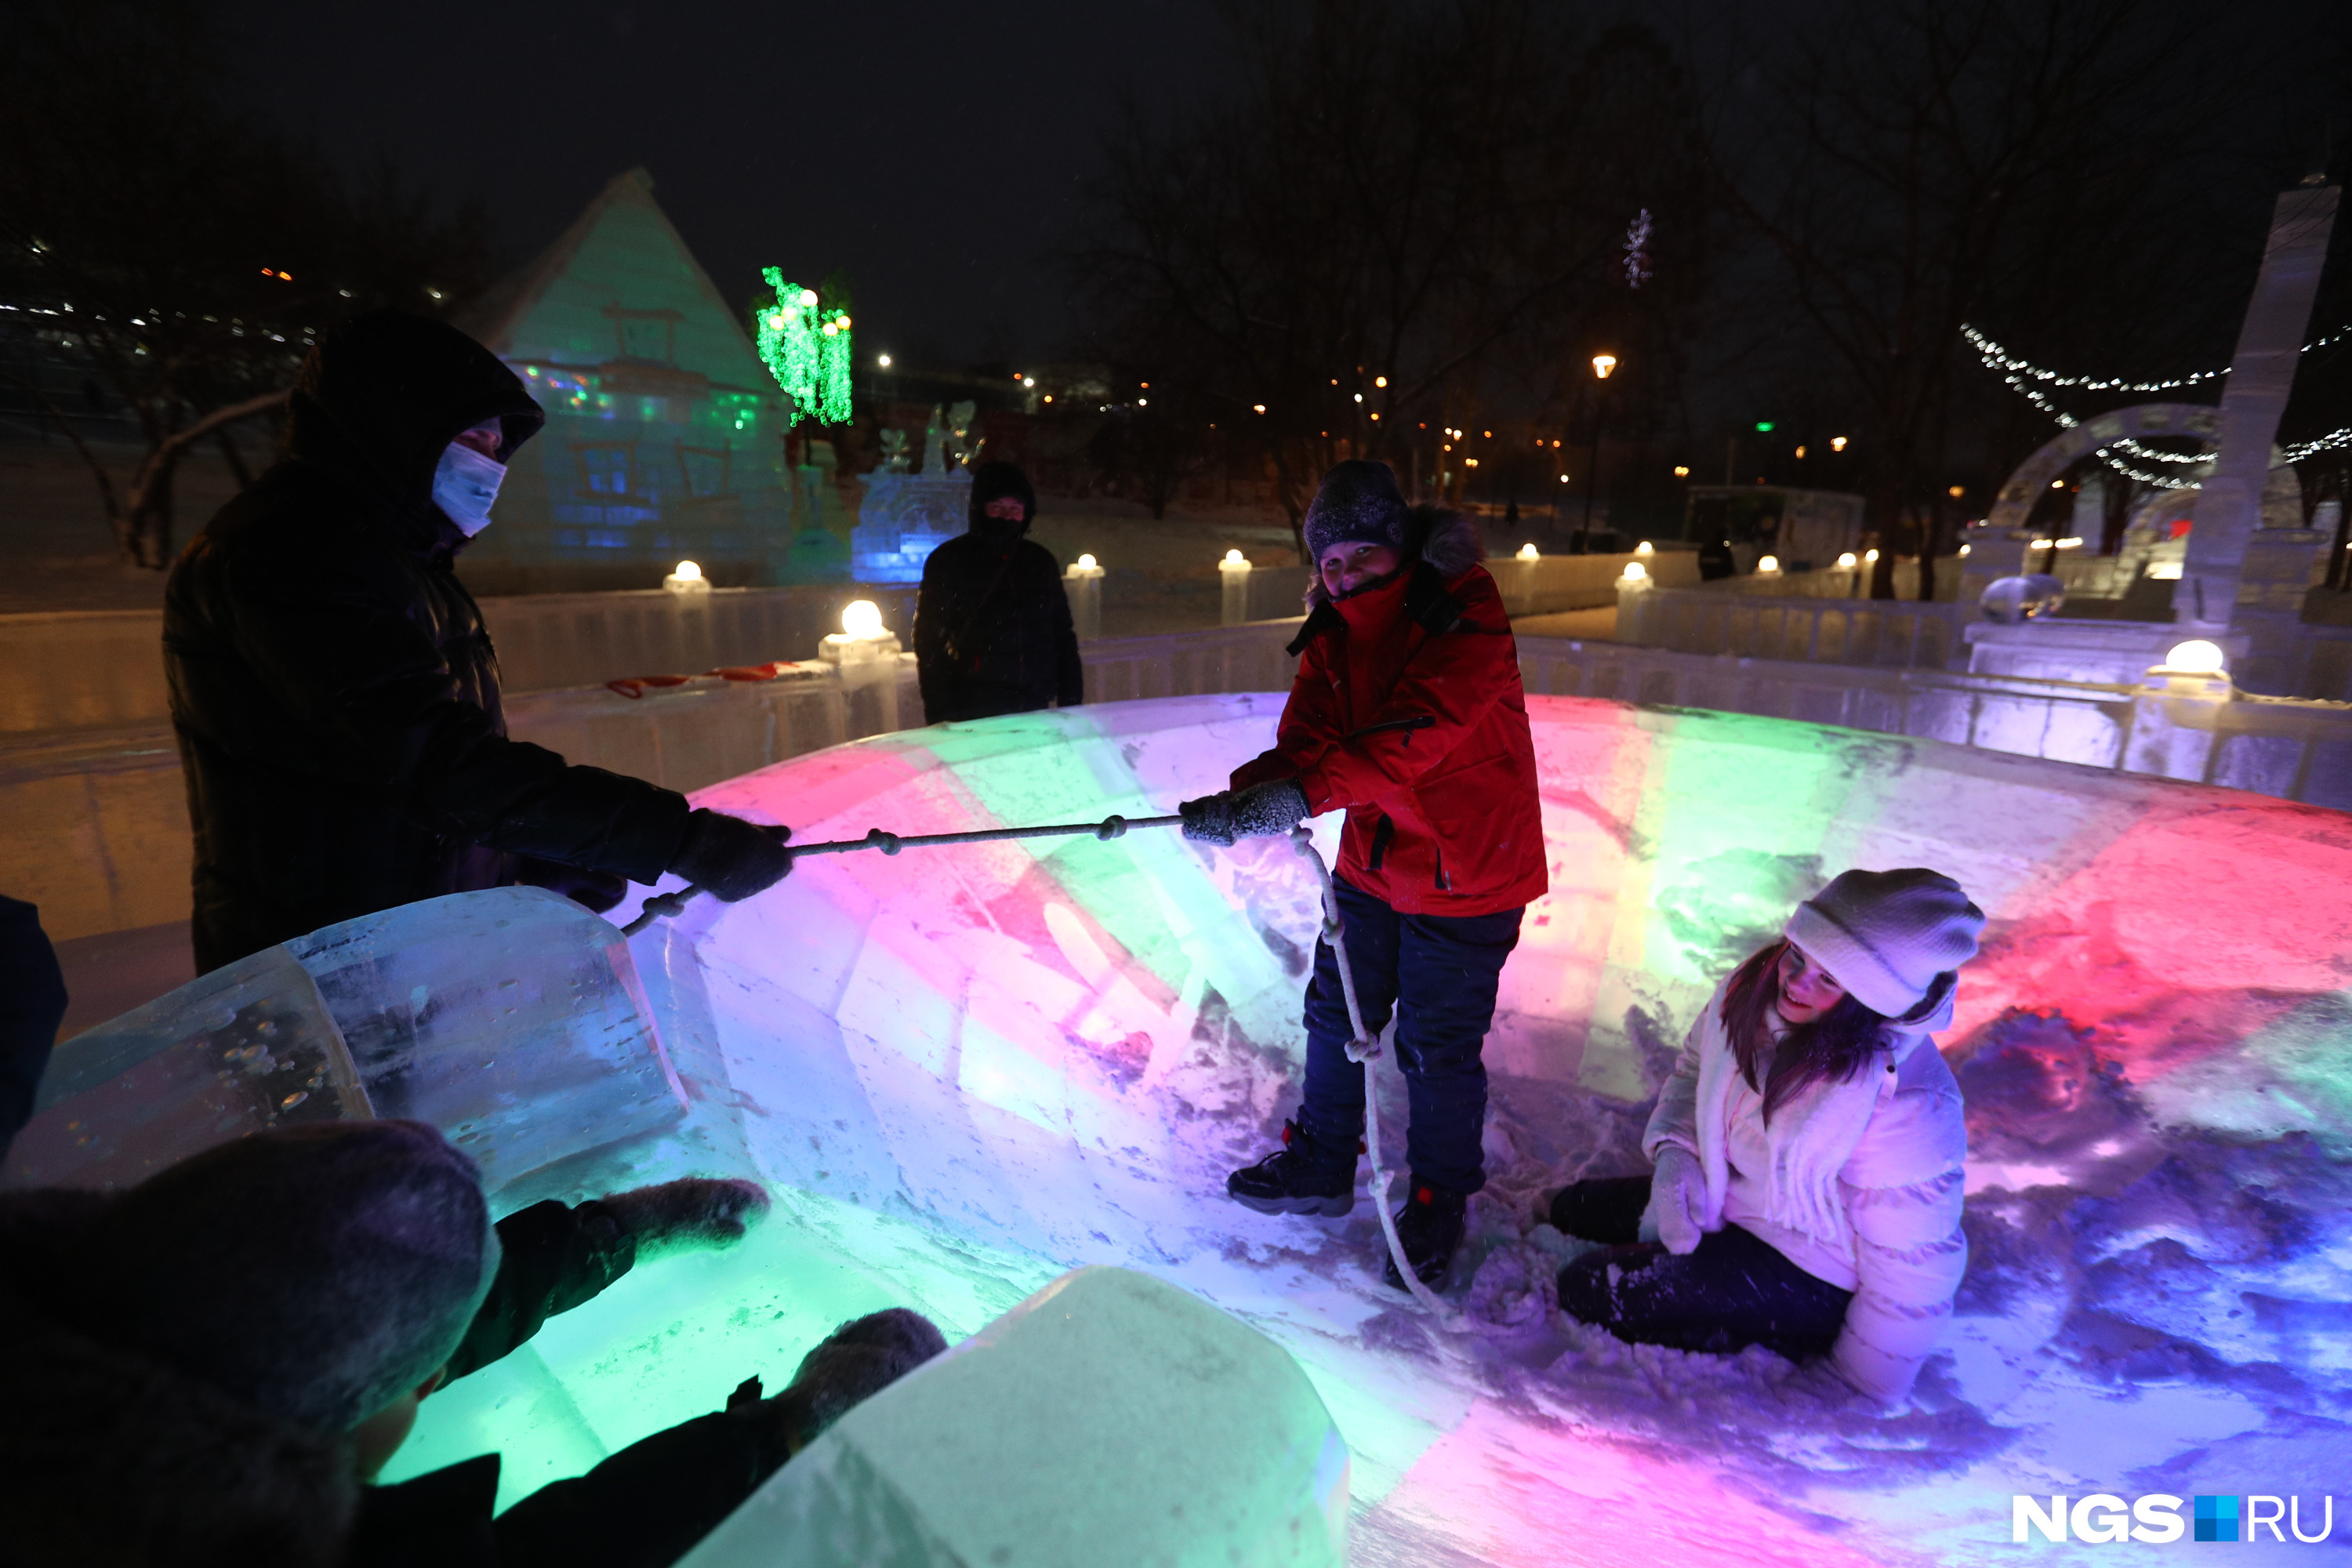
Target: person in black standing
336, 694
993, 630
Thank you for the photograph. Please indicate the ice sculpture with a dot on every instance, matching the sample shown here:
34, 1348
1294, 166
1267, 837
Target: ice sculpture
512, 1019
1110, 1417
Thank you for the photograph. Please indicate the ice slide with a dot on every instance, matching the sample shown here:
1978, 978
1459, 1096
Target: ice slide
966, 1071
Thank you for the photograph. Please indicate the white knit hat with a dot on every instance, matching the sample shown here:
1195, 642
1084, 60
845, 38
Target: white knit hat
1885, 936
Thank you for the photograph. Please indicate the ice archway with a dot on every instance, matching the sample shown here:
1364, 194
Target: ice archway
964, 1071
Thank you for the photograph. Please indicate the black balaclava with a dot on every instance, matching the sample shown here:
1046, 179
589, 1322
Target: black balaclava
995, 482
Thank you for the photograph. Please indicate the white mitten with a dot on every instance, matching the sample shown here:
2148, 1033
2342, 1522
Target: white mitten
1677, 1200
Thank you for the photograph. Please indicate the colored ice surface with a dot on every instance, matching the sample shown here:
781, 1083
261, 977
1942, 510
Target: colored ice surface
964, 1072
1111, 1418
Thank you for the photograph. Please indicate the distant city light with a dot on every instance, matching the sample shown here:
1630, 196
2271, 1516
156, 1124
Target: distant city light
1028, 381
1957, 491
1257, 408
1801, 453
1765, 425
1837, 443
1603, 365
1380, 381
1682, 471
882, 360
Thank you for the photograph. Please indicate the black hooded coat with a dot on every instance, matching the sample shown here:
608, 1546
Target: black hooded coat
993, 632
335, 695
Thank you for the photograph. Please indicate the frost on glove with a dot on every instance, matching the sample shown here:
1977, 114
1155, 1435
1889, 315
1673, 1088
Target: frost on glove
694, 1212
1677, 1199
1260, 811
732, 859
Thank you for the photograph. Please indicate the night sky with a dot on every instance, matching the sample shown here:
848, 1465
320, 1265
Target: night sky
936, 152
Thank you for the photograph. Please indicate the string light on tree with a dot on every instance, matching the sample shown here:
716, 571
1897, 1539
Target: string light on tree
807, 346
1637, 250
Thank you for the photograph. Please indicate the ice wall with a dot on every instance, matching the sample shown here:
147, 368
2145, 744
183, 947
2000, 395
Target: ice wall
966, 1071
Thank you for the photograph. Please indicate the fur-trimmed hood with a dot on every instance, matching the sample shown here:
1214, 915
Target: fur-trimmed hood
1447, 540
108, 1457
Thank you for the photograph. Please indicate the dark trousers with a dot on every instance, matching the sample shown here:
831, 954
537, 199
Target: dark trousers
1438, 974
1734, 1292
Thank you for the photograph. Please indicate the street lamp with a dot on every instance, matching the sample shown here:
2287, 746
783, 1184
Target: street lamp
1602, 365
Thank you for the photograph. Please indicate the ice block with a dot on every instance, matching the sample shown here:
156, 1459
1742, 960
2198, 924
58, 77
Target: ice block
512, 1019
1111, 1418
248, 1047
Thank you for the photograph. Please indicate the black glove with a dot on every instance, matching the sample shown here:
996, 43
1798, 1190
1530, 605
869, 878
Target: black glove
595, 891
732, 859
1266, 809
1262, 809
692, 1212
1210, 820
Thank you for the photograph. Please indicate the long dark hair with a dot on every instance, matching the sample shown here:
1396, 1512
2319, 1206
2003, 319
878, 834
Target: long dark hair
1837, 1045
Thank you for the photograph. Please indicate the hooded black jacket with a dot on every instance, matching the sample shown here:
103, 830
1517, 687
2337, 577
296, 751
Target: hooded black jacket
335, 695
993, 632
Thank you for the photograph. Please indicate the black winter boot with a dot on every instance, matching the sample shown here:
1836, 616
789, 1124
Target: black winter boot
1428, 1227
1303, 1176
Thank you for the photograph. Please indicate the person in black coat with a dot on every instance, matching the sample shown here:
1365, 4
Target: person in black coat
32, 1006
182, 1383
336, 696
993, 631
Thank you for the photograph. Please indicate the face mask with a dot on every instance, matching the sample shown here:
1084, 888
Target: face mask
465, 483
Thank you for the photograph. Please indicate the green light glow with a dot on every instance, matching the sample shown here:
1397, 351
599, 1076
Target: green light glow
1764, 425
806, 345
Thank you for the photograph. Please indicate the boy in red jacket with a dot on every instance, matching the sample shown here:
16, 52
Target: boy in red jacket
1407, 711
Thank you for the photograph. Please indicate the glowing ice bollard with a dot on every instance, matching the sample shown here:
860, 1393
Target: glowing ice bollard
1111, 1418
511, 1019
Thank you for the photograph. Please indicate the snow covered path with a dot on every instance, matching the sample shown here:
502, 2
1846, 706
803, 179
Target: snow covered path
966, 1070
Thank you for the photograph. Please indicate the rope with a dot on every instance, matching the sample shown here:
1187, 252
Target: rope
669, 906
1364, 1048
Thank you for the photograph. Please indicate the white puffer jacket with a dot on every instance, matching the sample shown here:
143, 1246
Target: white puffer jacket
1885, 1153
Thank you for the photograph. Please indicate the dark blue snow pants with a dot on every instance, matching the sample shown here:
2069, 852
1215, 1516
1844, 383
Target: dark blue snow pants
1438, 973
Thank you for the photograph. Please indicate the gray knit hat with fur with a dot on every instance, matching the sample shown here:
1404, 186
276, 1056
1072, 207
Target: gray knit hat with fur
314, 1272
1357, 502
1885, 936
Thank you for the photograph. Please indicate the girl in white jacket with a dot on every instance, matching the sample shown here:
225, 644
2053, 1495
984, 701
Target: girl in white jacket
1807, 1150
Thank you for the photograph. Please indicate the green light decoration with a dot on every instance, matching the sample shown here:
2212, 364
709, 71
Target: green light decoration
1764, 425
805, 343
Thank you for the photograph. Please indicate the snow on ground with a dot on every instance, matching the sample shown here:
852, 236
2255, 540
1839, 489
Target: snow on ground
964, 1071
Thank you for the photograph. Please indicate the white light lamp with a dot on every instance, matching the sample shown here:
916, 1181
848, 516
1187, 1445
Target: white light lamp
1846, 561
862, 638
1645, 548
687, 579
2193, 668
1636, 575
1768, 565
1529, 553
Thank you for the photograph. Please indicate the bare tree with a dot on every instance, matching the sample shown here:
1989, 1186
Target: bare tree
1398, 199
184, 255
1911, 161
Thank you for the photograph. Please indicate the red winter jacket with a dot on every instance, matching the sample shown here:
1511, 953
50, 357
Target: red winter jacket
1407, 711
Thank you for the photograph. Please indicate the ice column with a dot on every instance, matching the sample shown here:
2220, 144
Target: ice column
2262, 372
